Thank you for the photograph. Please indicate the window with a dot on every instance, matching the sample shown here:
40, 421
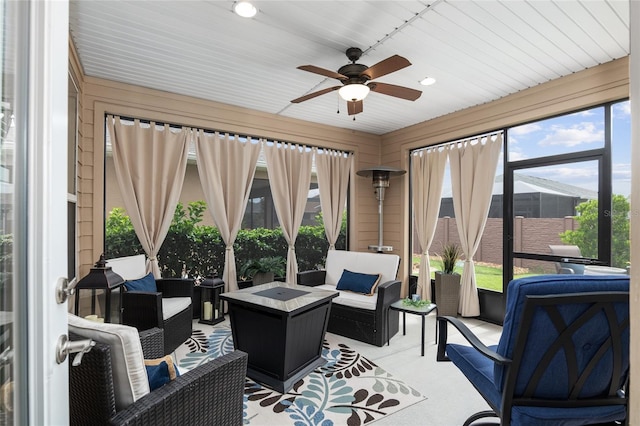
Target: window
72, 146
202, 250
557, 173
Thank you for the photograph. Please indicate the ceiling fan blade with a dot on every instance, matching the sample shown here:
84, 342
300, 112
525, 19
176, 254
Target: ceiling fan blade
387, 66
314, 94
397, 91
354, 107
322, 71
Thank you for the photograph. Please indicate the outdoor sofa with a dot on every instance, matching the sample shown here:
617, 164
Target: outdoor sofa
356, 315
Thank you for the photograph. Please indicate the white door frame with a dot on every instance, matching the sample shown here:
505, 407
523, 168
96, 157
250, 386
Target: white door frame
41, 393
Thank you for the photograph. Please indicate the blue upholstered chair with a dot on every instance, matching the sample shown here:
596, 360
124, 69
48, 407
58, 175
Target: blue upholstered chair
563, 357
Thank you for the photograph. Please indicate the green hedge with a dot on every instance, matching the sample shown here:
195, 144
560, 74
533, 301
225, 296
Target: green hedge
199, 249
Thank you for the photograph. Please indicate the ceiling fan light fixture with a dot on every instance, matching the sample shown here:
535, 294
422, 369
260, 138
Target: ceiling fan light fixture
354, 92
245, 9
428, 81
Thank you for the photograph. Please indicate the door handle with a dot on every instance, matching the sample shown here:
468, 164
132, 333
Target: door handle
64, 289
65, 347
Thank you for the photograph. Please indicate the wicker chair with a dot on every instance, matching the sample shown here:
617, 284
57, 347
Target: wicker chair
211, 394
143, 310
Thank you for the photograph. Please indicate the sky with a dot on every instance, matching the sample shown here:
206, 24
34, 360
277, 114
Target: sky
575, 132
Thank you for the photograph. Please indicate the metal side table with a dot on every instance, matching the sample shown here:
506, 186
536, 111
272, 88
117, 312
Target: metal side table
422, 311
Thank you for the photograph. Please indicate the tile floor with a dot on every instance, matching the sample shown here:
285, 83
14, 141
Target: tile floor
450, 396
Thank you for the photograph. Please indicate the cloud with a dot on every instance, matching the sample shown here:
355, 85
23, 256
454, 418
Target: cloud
524, 129
578, 134
572, 173
622, 110
517, 155
621, 171
585, 113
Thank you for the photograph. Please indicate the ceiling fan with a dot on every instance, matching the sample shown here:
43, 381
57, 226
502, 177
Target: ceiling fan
356, 82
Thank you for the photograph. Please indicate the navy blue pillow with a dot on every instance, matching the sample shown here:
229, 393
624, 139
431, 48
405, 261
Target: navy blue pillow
358, 282
158, 375
146, 283
160, 371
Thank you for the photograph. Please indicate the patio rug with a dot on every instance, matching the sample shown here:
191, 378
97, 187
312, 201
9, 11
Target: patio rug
348, 390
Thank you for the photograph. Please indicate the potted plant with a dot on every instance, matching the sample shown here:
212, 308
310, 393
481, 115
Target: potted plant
447, 282
263, 270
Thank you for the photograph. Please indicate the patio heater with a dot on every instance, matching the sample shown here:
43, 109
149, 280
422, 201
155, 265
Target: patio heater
380, 179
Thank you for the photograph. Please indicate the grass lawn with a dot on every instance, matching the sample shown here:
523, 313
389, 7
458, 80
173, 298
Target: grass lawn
487, 276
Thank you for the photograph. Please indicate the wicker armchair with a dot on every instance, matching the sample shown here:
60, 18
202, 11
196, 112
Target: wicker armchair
143, 310
211, 394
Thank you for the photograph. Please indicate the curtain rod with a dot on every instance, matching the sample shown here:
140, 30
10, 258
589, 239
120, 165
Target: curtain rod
179, 126
458, 140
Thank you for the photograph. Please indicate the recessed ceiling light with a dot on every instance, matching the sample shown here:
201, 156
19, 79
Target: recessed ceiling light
428, 81
245, 9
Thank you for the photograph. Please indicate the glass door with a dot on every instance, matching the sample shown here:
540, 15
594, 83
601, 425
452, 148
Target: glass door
33, 210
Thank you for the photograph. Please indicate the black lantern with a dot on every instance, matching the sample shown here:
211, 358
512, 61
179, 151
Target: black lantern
211, 306
104, 302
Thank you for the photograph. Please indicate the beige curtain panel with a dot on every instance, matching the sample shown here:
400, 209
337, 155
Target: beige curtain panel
150, 163
289, 170
226, 166
427, 175
333, 168
473, 170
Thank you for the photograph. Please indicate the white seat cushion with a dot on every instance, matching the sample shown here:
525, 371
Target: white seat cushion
352, 299
129, 267
129, 373
368, 263
174, 305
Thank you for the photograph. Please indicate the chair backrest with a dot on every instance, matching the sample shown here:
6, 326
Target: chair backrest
129, 267
369, 263
565, 250
568, 338
568, 251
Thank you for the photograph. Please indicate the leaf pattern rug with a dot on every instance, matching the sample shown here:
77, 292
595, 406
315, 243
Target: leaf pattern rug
348, 390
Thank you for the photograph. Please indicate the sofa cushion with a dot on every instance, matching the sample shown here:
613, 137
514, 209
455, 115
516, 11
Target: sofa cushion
358, 282
174, 305
129, 267
369, 263
129, 374
348, 298
146, 283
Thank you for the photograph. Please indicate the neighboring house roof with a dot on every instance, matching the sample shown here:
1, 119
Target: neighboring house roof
525, 184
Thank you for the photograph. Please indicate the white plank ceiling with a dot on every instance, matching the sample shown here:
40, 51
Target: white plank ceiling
478, 51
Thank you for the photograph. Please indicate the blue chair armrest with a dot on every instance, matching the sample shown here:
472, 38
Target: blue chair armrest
469, 336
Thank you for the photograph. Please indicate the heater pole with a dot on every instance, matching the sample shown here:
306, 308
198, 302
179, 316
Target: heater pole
380, 181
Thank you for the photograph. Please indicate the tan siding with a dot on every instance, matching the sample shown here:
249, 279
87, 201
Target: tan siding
102, 96
84, 185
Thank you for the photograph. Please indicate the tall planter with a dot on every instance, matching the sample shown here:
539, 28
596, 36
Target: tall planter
447, 293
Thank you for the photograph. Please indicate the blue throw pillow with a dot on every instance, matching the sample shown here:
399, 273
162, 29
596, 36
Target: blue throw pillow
358, 282
160, 371
146, 283
158, 375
